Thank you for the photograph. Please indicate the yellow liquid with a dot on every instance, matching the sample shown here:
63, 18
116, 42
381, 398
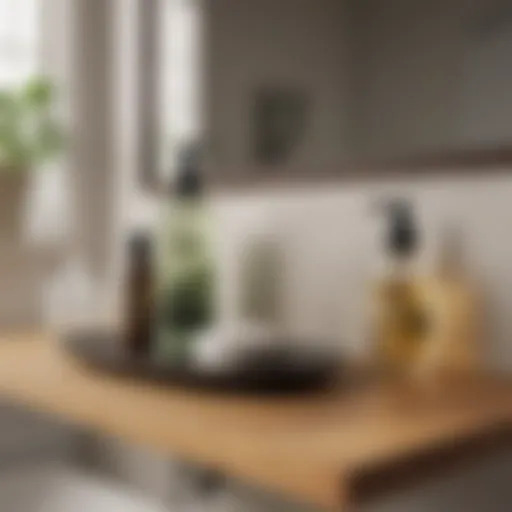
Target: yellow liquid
403, 325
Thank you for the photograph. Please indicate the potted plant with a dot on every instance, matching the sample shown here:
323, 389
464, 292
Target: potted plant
29, 136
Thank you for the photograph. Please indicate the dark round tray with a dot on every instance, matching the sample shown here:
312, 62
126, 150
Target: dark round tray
276, 372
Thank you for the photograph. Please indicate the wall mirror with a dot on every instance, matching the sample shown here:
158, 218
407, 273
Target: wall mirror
279, 90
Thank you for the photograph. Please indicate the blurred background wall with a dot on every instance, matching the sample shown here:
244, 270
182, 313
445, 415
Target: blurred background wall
416, 92
329, 231
291, 52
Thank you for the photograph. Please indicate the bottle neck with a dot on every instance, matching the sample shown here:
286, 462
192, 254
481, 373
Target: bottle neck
400, 267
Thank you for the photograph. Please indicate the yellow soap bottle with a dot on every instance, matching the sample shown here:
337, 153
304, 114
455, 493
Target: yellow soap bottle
425, 326
455, 322
402, 321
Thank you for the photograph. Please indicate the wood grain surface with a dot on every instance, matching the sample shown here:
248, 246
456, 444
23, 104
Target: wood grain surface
323, 449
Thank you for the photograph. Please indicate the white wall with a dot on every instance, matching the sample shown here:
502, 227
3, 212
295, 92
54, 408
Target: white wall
331, 236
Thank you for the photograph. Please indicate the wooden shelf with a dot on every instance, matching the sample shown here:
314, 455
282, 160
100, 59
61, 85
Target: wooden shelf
331, 450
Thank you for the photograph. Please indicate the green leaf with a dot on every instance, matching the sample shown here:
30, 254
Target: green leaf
29, 132
38, 93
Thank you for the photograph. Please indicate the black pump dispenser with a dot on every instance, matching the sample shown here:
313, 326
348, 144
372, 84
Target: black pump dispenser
188, 183
402, 238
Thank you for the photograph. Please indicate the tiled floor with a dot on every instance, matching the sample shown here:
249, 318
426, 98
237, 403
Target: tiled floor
58, 488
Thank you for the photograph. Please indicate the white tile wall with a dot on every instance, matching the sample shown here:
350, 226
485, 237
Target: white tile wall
331, 237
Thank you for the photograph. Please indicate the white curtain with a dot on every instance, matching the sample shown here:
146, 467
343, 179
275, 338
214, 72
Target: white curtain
50, 215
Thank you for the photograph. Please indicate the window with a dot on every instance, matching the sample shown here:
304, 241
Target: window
181, 63
20, 58
18, 40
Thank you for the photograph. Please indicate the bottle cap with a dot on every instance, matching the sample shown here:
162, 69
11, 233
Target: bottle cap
188, 183
139, 244
402, 238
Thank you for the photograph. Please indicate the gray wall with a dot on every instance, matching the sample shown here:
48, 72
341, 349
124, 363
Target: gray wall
295, 43
385, 78
429, 77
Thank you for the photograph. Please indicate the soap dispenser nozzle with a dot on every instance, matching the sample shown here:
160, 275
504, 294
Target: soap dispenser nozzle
401, 238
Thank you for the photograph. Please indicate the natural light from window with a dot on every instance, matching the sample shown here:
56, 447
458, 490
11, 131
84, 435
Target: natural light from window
181, 109
19, 40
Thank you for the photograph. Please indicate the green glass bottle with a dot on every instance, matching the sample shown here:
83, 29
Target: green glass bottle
184, 277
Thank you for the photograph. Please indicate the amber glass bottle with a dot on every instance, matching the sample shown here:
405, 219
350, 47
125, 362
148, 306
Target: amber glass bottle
139, 296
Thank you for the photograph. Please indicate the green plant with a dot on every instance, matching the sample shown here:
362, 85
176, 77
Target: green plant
29, 131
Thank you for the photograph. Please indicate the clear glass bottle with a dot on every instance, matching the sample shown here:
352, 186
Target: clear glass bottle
184, 265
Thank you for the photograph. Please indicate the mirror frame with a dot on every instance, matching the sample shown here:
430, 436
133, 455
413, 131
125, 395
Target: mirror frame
448, 163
